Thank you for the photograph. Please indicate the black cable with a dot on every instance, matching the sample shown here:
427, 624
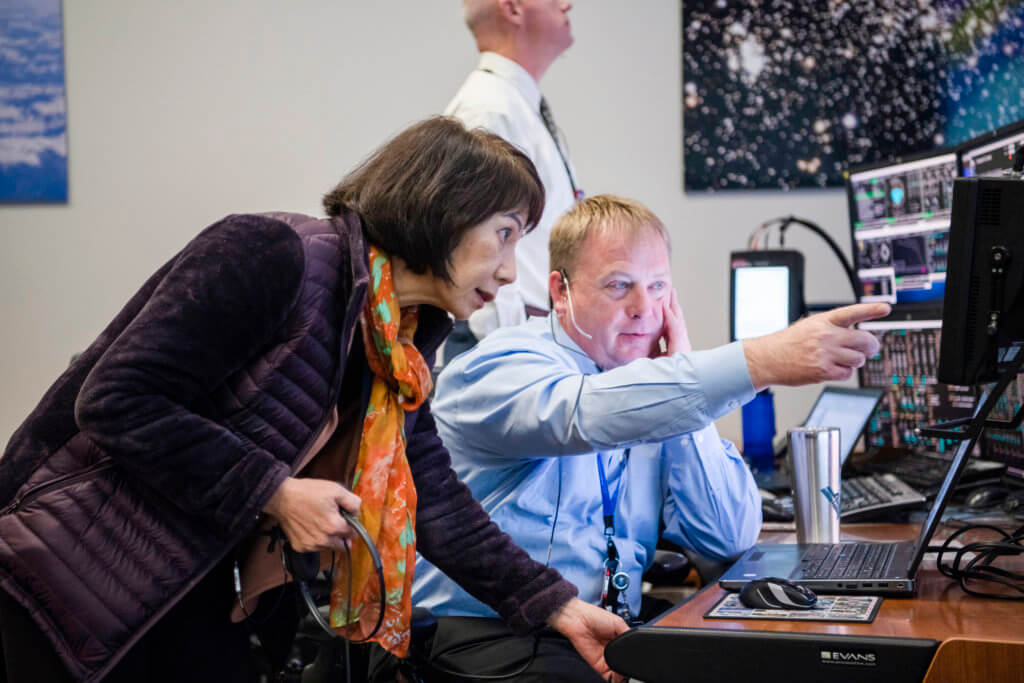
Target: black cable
558, 505
293, 563
979, 567
850, 275
303, 573
377, 565
348, 612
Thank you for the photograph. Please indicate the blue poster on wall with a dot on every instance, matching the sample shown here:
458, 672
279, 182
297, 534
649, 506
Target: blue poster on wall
33, 121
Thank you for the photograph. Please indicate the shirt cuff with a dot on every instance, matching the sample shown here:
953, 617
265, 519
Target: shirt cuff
724, 376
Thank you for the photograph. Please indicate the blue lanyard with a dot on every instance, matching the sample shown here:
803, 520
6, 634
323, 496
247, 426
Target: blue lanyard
615, 581
608, 500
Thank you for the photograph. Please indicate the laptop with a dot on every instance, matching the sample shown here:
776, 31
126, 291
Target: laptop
843, 407
875, 568
846, 408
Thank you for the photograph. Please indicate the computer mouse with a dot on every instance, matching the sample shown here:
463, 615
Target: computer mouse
776, 593
985, 497
1014, 502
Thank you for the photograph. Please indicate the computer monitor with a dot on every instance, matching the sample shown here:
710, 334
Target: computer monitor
899, 222
993, 153
765, 291
983, 311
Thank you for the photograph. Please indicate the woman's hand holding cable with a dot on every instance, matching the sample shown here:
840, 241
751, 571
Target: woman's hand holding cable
308, 512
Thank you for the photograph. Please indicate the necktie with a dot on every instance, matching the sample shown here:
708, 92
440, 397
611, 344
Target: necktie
549, 123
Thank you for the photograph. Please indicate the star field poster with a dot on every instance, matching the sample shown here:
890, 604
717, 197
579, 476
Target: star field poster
33, 122
789, 93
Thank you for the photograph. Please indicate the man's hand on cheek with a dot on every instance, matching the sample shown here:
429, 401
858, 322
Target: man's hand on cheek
677, 339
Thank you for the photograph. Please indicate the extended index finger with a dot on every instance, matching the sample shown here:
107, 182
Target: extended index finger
850, 315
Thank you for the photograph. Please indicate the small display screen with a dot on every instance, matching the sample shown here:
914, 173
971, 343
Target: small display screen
761, 303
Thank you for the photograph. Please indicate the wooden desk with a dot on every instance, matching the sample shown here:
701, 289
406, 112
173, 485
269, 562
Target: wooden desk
979, 639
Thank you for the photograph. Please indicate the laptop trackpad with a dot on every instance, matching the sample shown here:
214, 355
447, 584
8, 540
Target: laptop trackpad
774, 560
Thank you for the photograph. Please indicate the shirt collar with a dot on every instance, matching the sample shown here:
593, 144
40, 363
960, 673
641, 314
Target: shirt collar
584, 362
511, 71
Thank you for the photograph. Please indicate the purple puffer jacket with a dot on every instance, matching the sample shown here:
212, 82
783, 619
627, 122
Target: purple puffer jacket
151, 457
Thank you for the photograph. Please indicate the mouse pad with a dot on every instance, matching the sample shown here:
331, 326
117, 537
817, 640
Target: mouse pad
858, 608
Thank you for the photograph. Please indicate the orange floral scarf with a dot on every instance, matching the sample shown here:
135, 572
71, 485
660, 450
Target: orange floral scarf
382, 478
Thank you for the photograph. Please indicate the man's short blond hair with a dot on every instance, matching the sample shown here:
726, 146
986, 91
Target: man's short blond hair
479, 14
601, 213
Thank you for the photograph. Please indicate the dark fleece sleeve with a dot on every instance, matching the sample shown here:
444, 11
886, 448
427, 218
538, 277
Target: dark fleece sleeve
220, 304
455, 534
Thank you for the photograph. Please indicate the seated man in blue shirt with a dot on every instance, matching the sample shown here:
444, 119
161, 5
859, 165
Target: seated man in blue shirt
589, 434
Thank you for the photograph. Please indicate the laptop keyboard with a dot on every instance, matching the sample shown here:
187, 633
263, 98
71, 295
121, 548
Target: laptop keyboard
846, 561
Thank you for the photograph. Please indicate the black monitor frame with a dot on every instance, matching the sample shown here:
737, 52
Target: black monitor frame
983, 311
790, 259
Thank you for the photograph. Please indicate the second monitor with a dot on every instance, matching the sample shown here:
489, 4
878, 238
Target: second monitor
765, 291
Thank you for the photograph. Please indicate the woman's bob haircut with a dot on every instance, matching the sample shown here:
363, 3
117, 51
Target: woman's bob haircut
422, 190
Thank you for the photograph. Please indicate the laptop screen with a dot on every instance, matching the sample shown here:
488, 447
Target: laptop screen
848, 409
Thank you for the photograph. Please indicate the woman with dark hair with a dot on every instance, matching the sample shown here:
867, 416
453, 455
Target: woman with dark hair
275, 356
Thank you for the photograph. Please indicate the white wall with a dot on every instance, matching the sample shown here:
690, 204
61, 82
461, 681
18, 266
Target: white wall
179, 113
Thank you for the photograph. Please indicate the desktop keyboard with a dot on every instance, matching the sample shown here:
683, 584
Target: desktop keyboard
862, 498
925, 471
866, 496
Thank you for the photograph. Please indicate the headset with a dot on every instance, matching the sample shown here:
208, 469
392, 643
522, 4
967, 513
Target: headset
568, 297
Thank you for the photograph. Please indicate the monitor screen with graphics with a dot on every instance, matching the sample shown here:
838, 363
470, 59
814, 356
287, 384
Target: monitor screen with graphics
899, 220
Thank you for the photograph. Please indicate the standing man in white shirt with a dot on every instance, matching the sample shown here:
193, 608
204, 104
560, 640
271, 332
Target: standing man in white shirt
518, 41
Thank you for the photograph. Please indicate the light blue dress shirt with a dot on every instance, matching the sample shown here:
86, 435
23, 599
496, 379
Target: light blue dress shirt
525, 419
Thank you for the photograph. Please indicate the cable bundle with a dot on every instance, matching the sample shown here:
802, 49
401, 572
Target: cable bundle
973, 561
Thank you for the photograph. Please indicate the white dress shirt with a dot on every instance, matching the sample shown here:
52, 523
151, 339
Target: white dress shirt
503, 98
